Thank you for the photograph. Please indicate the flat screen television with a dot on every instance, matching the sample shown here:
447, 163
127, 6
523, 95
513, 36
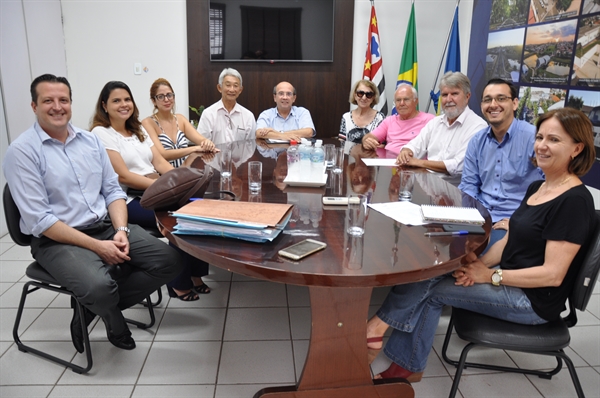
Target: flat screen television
271, 30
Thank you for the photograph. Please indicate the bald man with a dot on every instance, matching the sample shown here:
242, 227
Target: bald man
285, 121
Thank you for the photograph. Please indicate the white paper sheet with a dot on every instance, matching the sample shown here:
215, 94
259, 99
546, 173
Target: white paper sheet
407, 213
379, 162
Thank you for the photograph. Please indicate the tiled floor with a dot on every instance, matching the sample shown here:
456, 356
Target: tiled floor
244, 336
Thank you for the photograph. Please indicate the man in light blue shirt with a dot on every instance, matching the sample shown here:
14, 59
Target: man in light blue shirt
498, 167
286, 121
70, 200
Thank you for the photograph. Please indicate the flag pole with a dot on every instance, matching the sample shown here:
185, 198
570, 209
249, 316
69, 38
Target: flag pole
442, 57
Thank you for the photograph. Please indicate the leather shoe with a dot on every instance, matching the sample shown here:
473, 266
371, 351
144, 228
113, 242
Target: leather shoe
122, 340
76, 332
398, 372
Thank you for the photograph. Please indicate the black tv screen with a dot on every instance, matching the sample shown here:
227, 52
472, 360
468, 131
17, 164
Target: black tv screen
271, 30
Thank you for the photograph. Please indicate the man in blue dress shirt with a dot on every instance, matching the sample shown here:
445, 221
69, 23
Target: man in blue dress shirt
70, 200
498, 167
286, 121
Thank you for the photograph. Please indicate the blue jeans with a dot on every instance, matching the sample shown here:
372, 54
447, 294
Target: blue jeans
414, 310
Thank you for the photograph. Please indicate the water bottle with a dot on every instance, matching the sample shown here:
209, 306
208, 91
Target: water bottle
293, 156
317, 156
293, 160
317, 160
305, 149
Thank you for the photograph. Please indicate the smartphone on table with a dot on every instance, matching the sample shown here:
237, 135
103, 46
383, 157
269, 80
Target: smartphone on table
302, 249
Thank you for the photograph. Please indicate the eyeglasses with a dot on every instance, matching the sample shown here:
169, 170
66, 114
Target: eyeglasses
499, 99
162, 97
285, 94
405, 100
369, 94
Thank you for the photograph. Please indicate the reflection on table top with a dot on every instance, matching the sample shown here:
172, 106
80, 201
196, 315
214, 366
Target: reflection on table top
392, 253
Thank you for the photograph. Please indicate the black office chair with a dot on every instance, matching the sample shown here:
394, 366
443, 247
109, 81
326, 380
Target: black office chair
41, 279
548, 339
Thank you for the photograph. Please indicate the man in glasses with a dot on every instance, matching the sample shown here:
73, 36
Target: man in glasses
286, 121
498, 166
226, 120
398, 130
442, 143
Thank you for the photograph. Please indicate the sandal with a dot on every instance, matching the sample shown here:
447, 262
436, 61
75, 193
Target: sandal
189, 296
373, 352
395, 371
201, 289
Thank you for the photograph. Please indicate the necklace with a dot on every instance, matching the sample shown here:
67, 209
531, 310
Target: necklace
540, 194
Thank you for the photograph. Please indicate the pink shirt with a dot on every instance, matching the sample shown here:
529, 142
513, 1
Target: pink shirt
399, 132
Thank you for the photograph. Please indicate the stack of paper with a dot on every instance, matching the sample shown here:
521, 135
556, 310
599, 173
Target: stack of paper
452, 215
412, 214
255, 222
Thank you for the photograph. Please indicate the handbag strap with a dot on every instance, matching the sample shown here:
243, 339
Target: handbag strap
202, 181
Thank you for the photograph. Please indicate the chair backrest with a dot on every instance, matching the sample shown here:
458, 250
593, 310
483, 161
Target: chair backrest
13, 217
588, 274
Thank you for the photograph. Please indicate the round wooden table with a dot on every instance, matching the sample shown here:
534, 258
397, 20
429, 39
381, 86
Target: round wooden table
340, 284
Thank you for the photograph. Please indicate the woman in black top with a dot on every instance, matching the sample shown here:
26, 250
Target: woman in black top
527, 276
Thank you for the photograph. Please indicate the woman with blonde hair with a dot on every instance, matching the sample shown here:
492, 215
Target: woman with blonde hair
362, 120
170, 131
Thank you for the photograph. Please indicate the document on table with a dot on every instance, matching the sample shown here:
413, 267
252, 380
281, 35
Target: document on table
379, 162
276, 141
407, 213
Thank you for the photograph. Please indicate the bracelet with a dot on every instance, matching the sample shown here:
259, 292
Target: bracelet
127, 230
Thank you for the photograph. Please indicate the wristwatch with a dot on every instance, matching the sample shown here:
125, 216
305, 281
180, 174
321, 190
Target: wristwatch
497, 277
127, 231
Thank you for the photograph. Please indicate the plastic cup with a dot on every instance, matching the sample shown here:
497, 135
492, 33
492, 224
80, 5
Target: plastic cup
254, 176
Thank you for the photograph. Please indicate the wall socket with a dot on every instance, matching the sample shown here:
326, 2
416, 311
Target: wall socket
137, 68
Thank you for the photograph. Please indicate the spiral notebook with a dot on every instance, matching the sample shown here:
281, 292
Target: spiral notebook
451, 215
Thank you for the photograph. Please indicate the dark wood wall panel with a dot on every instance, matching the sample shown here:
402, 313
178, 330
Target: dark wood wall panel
322, 88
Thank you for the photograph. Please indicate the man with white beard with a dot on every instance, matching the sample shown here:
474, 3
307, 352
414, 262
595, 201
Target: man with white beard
442, 143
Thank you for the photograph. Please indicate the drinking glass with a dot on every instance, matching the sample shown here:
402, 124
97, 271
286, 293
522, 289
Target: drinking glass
254, 176
338, 166
356, 214
407, 183
329, 150
225, 161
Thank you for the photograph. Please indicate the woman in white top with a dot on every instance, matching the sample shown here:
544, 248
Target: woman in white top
137, 162
170, 131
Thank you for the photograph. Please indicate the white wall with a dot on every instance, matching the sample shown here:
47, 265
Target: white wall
104, 39
31, 43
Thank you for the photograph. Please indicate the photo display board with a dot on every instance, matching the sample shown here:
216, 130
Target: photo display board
549, 48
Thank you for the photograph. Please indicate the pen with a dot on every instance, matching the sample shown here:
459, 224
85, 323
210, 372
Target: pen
446, 233
193, 199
